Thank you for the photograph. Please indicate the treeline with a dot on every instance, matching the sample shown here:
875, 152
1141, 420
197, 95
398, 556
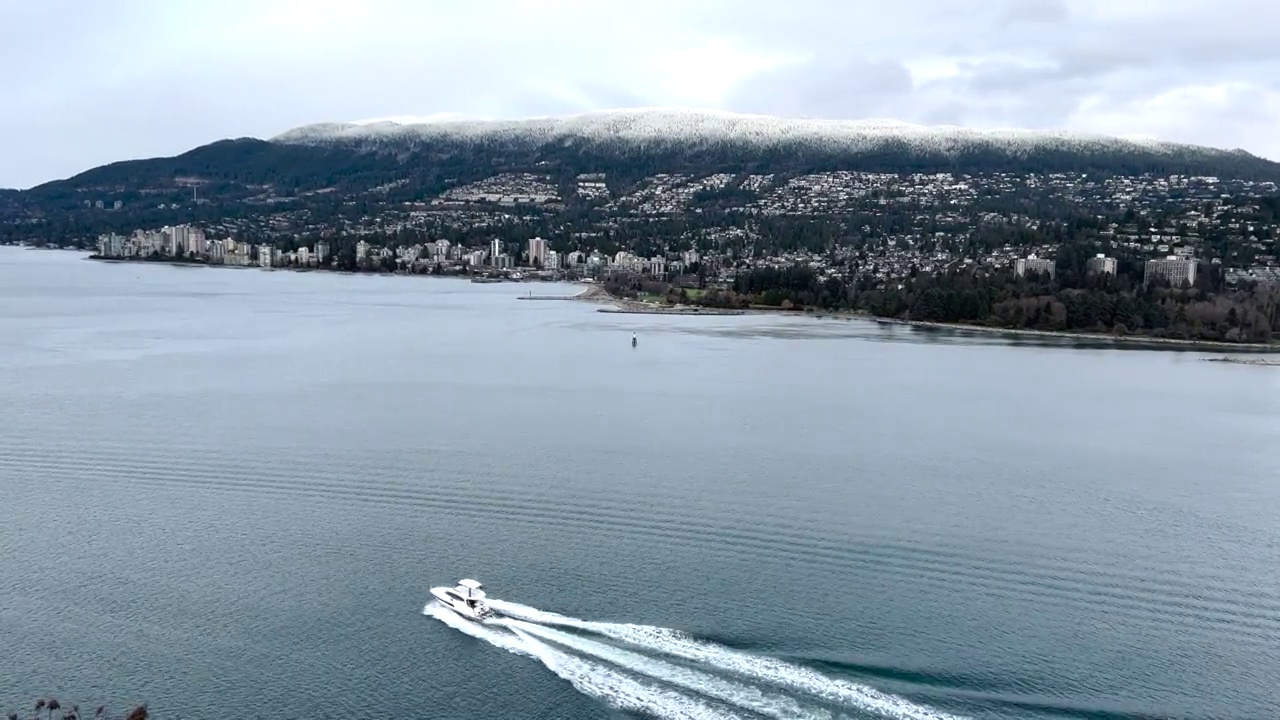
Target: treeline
1100, 304
1162, 312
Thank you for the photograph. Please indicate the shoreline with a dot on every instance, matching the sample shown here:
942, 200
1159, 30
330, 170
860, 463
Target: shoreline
478, 279
1259, 362
707, 312
596, 293
1152, 343
1171, 343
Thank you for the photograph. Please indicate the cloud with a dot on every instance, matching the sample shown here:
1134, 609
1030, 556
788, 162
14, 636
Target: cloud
1215, 114
96, 82
824, 87
1030, 14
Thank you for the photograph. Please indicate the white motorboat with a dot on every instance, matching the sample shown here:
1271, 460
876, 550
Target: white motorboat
467, 599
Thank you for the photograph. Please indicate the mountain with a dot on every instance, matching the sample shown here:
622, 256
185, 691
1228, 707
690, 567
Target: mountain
422, 158
10, 201
686, 131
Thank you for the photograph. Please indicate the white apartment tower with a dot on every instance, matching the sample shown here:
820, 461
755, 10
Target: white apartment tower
1101, 265
1179, 271
172, 239
196, 241
537, 252
1033, 264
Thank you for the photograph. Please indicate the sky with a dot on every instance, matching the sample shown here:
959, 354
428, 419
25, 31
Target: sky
87, 83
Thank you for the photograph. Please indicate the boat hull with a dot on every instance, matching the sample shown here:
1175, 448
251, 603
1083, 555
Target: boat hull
446, 598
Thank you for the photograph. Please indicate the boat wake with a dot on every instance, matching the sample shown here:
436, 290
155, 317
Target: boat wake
669, 674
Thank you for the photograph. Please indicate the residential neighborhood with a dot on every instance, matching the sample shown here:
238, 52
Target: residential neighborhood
848, 225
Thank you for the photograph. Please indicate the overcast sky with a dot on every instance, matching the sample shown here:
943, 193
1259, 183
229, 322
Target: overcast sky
86, 83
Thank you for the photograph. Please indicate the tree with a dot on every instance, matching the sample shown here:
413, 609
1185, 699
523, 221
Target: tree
346, 258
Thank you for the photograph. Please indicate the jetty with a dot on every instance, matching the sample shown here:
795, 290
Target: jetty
548, 297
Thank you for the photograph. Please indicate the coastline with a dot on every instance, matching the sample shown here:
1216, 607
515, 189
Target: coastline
704, 312
1170, 343
596, 293
169, 262
1154, 343
1260, 362
479, 279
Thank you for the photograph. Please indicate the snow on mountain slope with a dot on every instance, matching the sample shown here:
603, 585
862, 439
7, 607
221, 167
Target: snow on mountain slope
666, 126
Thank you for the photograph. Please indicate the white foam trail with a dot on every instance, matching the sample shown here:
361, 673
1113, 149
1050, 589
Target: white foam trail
735, 693
770, 670
617, 689
589, 678
500, 638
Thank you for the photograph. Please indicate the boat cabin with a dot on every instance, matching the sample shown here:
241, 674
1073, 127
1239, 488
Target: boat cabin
471, 589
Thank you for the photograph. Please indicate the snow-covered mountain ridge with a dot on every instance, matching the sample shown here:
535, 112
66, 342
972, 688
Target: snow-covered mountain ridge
422, 157
669, 127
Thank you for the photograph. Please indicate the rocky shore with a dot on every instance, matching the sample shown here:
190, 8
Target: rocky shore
1271, 362
647, 309
626, 306
1091, 337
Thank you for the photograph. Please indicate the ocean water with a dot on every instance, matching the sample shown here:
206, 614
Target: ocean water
226, 493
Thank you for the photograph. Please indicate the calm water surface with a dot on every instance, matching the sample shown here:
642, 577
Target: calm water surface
227, 492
